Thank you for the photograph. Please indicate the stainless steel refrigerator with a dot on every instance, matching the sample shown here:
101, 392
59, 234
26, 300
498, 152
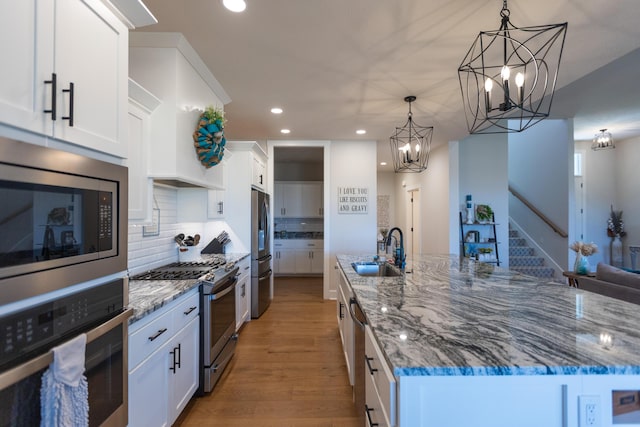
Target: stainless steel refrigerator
260, 253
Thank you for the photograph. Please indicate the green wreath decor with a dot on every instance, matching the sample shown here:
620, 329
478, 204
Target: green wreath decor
208, 138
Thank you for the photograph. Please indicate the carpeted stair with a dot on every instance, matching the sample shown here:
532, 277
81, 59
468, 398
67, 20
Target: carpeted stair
522, 258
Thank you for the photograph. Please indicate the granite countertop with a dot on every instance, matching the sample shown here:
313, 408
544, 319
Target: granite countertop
147, 296
453, 316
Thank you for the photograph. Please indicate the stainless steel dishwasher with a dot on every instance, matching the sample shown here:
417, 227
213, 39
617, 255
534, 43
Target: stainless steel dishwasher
359, 322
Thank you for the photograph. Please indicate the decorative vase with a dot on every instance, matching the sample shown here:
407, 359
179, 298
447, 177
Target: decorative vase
581, 265
469, 215
616, 251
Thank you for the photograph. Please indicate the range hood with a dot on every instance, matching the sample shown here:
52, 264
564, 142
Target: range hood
167, 66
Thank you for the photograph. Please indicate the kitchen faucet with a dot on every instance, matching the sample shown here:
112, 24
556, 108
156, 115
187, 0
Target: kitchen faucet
399, 258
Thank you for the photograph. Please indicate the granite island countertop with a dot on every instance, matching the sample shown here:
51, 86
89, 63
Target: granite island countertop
147, 296
453, 316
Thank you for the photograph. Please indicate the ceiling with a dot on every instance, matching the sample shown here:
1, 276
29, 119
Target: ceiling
336, 66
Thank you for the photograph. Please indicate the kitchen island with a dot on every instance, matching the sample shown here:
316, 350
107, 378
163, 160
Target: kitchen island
471, 344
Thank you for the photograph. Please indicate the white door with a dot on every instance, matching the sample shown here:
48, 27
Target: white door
412, 235
579, 195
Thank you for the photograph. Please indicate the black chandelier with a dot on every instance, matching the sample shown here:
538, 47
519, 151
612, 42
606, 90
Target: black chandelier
411, 144
530, 56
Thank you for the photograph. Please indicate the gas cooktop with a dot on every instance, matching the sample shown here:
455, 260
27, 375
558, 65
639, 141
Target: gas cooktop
205, 269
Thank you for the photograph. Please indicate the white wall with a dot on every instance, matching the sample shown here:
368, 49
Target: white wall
541, 169
386, 187
627, 192
353, 164
483, 173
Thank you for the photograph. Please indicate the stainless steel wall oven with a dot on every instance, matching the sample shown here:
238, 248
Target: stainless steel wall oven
63, 219
27, 337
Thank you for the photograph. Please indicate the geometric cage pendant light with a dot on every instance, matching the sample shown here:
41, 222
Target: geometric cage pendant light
508, 76
411, 144
602, 141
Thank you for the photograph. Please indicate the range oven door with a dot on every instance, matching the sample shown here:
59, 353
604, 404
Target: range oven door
105, 369
218, 319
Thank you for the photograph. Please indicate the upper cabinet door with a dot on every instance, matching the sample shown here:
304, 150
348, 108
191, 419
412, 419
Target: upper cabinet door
26, 28
65, 72
91, 62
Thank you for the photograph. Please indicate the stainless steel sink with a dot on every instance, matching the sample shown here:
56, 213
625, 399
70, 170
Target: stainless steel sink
374, 269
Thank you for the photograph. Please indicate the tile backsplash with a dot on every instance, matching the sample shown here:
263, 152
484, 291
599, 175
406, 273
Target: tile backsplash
299, 224
150, 252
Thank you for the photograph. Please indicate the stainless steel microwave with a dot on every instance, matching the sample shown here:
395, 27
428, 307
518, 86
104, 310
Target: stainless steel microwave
63, 219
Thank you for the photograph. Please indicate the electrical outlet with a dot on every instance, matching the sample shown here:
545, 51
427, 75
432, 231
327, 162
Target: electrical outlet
589, 411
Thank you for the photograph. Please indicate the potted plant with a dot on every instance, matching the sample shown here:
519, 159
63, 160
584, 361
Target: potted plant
484, 213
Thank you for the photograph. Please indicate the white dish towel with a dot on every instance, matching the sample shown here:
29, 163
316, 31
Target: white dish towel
64, 397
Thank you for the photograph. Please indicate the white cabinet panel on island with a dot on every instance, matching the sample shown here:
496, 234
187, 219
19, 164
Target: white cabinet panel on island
58, 83
163, 362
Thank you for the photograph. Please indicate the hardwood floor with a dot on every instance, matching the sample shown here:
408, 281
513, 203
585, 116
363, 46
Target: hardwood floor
288, 369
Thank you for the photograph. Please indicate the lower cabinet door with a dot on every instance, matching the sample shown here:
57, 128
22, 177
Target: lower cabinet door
287, 263
182, 366
317, 261
242, 300
148, 392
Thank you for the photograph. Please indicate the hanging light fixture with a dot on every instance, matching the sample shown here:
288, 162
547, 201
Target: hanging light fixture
602, 141
411, 144
509, 75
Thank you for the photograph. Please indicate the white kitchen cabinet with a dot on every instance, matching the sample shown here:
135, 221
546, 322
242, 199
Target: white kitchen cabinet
168, 66
284, 261
183, 364
312, 200
380, 384
243, 293
259, 170
298, 256
345, 323
200, 204
141, 106
288, 200
216, 204
309, 262
164, 362
81, 46
298, 199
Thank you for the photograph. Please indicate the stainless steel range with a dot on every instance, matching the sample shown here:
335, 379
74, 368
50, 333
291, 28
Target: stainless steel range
217, 311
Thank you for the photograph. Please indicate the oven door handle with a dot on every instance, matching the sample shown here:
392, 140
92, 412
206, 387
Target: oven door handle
17, 374
224, 291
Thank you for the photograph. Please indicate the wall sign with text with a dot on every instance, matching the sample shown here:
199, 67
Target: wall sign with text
353, 200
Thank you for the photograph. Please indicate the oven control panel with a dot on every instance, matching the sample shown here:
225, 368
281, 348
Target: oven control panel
37, 329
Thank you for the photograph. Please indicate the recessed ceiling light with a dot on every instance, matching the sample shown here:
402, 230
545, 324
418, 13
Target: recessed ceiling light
285, 131
383, 163
235, 5
276, 110
361, 131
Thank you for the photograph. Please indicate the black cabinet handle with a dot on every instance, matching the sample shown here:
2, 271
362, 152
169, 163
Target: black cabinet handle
368, 360
341, 314
54, 90
188, 312
179, 349
243, 290
173, 353
70, 116
157, 334
260, 178
368, 411
220, 208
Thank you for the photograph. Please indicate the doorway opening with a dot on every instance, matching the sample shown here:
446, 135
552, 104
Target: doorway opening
412, 245
298, 211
